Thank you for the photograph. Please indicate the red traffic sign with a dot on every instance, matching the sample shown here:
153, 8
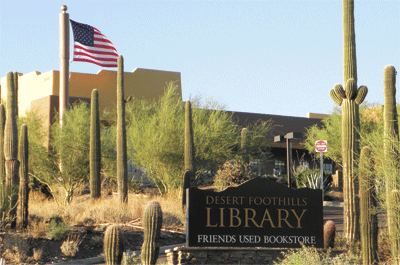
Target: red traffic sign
321, 146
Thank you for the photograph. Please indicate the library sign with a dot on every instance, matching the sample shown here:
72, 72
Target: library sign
257, 213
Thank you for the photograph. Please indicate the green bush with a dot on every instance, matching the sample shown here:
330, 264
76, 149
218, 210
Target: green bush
310, 255
58, 231
302, 177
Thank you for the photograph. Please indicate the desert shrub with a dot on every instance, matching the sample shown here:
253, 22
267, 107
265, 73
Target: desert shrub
305, 255
58, 231
96, 241
302, 177
310, 255
232, 174
71, 246
15, 248
131, 259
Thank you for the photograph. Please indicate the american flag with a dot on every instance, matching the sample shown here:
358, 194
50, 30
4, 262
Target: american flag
91, 46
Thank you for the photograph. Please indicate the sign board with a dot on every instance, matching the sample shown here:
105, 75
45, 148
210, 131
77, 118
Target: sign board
257, 213
321, 146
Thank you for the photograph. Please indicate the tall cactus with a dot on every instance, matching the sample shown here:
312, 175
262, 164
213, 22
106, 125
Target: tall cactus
349, 98
113, 245
244, 148
95, 147
23, 157
152, 222
122, 166
190, 163
391, 137
11, 149
368, 213
186, 185
2, 168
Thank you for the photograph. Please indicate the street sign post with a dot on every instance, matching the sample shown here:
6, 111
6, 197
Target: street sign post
321, 146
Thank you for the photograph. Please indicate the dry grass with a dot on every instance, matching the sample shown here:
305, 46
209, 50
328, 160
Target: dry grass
15, 248
71, 246
37, 254
85, 211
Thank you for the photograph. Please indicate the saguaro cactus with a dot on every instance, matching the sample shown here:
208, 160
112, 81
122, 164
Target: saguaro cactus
186, 185
391, 138
11, 150
190, 163
113, 245
95, 147
2, 168
23, 157
244, 146
368, 213
349, 98
122, 165
152, 222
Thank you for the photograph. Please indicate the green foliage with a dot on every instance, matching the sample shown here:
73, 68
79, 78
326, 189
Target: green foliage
310, 255
152, 223
131, 259
309, 177
58, 231
74, 143
156, 137
370, 122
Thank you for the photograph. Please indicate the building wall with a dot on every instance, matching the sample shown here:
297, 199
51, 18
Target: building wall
140, 83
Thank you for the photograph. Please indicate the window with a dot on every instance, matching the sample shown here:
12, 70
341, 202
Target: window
328, 167
280, 168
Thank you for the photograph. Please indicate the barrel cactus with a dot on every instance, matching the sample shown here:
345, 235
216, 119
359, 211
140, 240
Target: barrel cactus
368, 212
349, 99
95, 147
391, 138
190, 163
152, 222
23, 157
329, 234
122, 162
113, 245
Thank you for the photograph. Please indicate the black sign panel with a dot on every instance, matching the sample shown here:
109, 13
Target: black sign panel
258, 213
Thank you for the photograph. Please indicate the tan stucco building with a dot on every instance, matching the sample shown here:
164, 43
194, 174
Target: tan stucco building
39, 89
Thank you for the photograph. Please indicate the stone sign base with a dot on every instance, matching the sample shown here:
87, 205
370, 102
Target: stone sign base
226, 255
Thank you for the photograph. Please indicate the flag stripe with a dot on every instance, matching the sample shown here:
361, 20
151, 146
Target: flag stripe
97, 51
90, 45
95, 62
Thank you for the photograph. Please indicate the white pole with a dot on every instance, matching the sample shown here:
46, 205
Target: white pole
64, 62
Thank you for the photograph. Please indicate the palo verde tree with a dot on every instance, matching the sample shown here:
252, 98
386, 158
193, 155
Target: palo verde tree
157, 130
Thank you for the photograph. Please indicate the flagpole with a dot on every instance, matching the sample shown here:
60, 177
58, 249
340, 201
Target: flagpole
64, 62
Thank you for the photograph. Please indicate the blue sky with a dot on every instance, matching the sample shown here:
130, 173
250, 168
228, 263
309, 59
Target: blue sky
272, 57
